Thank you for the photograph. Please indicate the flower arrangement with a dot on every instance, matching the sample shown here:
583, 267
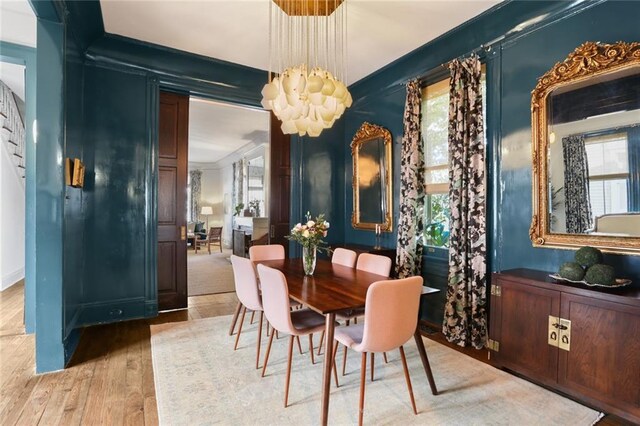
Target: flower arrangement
310, 235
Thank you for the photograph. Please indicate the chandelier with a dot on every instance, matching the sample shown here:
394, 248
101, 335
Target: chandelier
307, 64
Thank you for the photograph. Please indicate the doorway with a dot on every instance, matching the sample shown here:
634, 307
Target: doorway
227, 188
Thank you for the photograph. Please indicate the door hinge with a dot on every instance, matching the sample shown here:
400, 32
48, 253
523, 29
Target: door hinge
559, 333
493, 345
496, 290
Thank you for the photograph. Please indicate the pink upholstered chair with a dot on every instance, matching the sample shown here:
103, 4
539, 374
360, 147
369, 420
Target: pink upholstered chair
374, 263
275, 300
390, 320
268, 252
248, 294
344, 257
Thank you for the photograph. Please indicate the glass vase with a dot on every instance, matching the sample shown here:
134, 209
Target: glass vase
309, 259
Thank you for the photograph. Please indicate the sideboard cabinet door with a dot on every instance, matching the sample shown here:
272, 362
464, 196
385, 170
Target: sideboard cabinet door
519, 323
603, 362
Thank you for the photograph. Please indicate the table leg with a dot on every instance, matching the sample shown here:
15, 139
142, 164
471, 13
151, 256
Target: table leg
326, 372
425, 361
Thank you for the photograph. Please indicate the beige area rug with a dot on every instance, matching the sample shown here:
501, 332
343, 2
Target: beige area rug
209, 273
199, 379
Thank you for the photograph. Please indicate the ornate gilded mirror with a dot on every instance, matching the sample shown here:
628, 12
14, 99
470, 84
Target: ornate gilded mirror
372, 174
586, 150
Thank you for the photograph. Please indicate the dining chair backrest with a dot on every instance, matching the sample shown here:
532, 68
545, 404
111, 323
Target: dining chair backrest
391, 314
246, 283
344, 257
374, 263
275, 299
266, 252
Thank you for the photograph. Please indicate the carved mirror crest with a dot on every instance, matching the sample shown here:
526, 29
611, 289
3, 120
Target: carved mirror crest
586, 150
372, 178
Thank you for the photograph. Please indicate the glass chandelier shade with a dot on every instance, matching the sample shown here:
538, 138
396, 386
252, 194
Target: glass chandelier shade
307, 41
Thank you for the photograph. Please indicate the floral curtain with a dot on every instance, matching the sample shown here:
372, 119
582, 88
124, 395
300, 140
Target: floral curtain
237, 195
576, 185
465, 321
410, 228
196, 191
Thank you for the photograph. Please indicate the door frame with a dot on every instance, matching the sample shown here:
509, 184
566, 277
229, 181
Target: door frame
156, 84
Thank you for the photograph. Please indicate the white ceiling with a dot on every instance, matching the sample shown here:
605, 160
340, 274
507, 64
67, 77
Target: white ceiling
216, 130
13, 76
17, 22
379, 31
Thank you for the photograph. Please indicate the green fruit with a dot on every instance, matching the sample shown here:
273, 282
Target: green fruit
588, 256
601, 274
571, 271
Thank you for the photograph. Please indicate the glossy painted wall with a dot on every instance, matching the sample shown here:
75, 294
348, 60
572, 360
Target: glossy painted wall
531, 38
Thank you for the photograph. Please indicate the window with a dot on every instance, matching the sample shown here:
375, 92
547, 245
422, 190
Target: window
608, 159
435, 137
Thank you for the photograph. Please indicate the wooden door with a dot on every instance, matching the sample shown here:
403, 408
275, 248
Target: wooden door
280, 199
520, 316
173, 132
603, 361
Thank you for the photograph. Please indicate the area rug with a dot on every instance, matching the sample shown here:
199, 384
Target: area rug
209, 273
200, 379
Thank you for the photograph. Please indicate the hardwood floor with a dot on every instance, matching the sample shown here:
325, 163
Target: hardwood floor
110, 378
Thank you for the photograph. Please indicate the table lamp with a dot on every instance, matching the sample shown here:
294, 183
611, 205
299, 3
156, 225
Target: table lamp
207, 211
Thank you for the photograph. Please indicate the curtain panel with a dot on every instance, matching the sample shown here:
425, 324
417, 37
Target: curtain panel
576, 185
465, 321
411, 222
237, 195
196, 192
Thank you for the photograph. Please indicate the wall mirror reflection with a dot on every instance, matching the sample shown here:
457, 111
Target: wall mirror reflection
372, 193
587, 132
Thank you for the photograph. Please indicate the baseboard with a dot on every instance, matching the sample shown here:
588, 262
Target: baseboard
112, 311
11, 279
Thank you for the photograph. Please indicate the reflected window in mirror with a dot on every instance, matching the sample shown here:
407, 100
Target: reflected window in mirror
435, 137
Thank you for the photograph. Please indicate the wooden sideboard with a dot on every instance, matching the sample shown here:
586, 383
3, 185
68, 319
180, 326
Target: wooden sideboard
581, 341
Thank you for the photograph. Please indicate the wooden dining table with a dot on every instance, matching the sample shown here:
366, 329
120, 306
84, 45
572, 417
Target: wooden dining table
330, 289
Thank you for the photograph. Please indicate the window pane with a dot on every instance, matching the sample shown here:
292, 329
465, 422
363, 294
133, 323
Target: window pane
435, 111
437, 176
436, 231
607, 154
608, 196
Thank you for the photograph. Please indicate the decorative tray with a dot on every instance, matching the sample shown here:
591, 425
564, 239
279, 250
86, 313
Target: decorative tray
620, 282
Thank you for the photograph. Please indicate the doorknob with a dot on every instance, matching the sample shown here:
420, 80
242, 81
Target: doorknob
183, 233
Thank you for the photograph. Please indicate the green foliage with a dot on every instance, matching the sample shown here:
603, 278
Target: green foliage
436, 232
571, 271
601, 274
238, 209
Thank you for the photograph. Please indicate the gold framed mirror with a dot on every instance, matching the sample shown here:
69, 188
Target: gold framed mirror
586, 150
372, 178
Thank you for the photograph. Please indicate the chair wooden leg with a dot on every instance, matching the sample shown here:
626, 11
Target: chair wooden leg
363, 375
277, 334
347, 323
335, 369
299, 345
253, 314
266, 355
321, 342
234, 320
344, 360
259, 340
244, 311
372, 365
355, 320
311, 348
384, 354
408, 379
287, 380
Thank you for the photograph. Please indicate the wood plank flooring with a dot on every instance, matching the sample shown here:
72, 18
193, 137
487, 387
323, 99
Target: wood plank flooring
110, 378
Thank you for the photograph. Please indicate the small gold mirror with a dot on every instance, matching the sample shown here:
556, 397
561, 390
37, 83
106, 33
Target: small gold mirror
586, 150
372, 193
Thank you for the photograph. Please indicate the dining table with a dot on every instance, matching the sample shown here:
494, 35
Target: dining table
333, 288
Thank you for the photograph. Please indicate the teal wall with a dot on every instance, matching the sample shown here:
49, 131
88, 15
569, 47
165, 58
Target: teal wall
534, 36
